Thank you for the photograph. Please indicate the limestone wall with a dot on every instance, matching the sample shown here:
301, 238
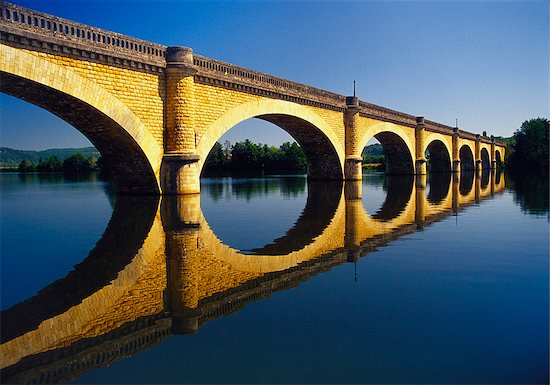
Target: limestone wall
143, 92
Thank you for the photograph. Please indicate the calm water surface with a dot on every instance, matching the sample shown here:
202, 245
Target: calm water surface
276, 280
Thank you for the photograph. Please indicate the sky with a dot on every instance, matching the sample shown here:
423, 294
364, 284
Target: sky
485, 63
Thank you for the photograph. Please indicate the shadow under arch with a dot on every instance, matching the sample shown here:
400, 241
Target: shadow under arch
310, 131
438, 158
398, 158
399, 189
466, 155
127, 147
397, 145
498, 158
439, 186
323, 199
485, 159
125, 234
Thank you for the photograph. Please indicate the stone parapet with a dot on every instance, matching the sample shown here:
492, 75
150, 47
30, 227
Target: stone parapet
373, 111
218, 73
47, 32
439, 128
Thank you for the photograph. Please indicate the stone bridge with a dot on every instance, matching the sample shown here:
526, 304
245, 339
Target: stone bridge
172, 274
155, 112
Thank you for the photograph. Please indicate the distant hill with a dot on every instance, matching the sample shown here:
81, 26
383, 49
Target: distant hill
373, 149
11, 158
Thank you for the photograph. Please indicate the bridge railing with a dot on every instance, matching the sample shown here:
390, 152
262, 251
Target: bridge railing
387, 114
32, 24
246, 76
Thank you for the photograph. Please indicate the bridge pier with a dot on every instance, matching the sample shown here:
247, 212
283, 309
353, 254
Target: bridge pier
352, 168
456, 151
420, 163
477, 185
420, 200
180, 168
477, 155
456, 192
181, 219
353, 194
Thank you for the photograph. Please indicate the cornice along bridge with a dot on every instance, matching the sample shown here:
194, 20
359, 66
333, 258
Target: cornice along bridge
155, 112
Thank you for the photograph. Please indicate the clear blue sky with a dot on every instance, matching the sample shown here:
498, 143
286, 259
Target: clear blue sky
483, 62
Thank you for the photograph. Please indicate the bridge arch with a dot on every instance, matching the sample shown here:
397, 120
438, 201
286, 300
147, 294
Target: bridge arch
438, 154
399, 189
324, 239
322, 148
466, 155
498, 157
440, 184
124, 142
485, 159
466, 183
398, 147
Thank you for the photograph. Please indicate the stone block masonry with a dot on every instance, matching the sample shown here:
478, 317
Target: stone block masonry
154, 112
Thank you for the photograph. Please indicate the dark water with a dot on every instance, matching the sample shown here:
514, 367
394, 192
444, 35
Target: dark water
276, 280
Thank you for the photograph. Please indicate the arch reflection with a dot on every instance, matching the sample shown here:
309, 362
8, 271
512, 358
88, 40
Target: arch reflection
172, 275
399, 188
439, 187
322, 202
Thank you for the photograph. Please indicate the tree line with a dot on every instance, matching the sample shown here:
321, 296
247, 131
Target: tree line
250, 158
528, 147
73, 164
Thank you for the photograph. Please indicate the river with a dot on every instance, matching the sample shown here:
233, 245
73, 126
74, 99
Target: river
394, 279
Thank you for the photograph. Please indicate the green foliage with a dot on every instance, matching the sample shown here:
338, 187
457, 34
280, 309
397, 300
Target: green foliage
73, 164
373, 158
374, 167
53, 164
531, 144
217, 158
251, 158
530, 188
292, 157
79, 163
380, 159
373, 149
12, 158
26, 166
373, 154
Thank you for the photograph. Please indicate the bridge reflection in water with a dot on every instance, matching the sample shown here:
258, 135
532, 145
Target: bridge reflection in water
159, 269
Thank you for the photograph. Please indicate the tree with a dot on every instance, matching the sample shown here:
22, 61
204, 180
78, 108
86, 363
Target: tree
76, 163
52, 164
293, 157
217, 161
531, 144
26, 166
246, 157
251, 158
